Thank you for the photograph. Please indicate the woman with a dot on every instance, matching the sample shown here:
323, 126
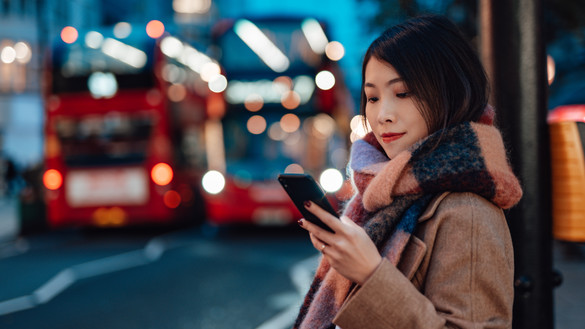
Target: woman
424, 242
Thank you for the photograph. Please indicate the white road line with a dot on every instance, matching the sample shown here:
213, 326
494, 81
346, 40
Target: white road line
16, 304
110, 264
68, 276
55, 286
301, 275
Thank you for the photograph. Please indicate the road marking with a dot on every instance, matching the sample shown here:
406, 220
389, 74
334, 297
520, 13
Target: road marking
152, 252
301, 275
55, 286
16, 304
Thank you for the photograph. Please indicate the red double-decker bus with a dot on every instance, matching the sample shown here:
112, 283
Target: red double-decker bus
284, 109
124, 118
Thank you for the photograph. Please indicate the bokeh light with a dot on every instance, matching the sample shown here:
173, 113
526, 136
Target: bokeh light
69, 34
218, 83
209, 70
191, 6
102, 84
94, 39
155, 29
331, 180
293, 139
256, 124
254, 102
177, 92
171, 47
315, 35
172, 199
276, 133
213, 182
23, 52
122, 30
325, 80
324, 125
161, 174
52, 179
290, 123
294, 168
334, 50
8, 55
290, 100
283, 83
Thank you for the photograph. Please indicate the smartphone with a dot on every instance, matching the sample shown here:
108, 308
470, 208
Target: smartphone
301, 188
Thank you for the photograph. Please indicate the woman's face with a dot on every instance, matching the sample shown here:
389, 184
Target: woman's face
391, 110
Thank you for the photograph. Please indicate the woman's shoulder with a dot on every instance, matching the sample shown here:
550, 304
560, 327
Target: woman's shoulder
458, 201
463, 209
468, 200
468, 221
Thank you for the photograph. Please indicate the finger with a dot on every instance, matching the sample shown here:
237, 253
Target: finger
317, 231
327, 218
302, 222
317, 243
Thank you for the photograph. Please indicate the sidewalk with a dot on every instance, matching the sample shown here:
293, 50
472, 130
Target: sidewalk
569, 297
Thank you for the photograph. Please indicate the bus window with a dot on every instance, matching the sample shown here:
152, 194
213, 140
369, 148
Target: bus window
113, 139
74, 65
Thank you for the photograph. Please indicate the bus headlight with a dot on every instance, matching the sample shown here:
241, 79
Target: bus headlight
331, 180
213, 182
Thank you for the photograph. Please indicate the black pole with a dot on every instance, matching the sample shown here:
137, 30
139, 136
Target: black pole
514, 54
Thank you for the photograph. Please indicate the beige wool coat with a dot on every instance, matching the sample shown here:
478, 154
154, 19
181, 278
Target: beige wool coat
457, 271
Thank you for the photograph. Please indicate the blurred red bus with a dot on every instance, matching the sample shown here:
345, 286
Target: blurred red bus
124, 117
284, 109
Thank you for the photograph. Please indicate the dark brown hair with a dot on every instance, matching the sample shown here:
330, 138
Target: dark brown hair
438, 66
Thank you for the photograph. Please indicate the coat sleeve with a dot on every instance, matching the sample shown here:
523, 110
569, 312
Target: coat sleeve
468, 281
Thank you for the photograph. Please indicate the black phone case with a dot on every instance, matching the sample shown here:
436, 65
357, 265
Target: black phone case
301, 188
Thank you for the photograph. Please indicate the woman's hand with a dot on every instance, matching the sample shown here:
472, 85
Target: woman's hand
350, 251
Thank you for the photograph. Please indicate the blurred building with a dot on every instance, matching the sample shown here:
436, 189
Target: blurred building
18, 36
27, 27
20, 103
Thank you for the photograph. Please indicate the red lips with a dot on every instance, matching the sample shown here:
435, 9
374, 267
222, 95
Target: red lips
390, 137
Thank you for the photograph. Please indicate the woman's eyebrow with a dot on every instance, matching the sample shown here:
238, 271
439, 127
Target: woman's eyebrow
390, 82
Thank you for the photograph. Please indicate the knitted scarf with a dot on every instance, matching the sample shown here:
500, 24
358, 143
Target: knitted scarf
392, 194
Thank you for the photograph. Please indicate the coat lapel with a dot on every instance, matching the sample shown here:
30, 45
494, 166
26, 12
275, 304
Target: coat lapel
416, 249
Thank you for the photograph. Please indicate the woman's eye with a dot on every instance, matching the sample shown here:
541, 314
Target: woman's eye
403, 95
372, 99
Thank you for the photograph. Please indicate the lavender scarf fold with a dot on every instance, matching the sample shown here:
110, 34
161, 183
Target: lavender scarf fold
392, 194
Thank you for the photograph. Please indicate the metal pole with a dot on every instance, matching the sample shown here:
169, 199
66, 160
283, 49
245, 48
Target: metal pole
513, 51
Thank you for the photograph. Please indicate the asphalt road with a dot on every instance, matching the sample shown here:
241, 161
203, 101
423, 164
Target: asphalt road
190, 278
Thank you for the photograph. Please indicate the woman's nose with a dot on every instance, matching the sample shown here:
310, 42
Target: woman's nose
387, 113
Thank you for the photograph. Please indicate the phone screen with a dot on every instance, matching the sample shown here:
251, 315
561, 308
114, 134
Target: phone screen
301, 188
